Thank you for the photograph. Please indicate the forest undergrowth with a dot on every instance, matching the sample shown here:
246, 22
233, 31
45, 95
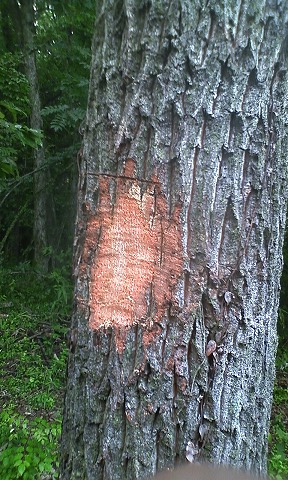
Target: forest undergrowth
34, 320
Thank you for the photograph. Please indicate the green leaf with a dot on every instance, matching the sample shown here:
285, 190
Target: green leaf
21, 468
41, 467
12, 109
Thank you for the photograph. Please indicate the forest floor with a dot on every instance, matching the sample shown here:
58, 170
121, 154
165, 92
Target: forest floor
278, 436
34, 320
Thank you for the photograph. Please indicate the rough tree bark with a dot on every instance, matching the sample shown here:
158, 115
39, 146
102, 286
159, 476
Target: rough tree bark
41, 175
181, 214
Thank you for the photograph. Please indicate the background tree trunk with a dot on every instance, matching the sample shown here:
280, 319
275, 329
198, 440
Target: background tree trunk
41, 175
181, 214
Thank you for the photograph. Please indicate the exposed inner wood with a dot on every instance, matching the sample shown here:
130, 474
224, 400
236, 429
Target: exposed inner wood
139, 256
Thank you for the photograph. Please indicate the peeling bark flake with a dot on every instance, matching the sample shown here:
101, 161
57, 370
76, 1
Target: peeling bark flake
138, 259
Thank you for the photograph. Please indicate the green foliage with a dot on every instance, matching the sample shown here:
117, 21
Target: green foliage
34, 317
33, 350
278, 437
278, 454
63, 53
63, 117
28, 446
283, 310
64, 35
14, 110
8, 165
14, 86
278, 458
60, 281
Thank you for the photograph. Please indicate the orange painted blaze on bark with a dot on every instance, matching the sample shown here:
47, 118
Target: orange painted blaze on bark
138, 260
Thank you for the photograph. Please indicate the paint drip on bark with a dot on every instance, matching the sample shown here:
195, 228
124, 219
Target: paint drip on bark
138, 260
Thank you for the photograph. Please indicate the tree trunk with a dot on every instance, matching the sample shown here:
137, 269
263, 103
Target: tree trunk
178, 247
41, 171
